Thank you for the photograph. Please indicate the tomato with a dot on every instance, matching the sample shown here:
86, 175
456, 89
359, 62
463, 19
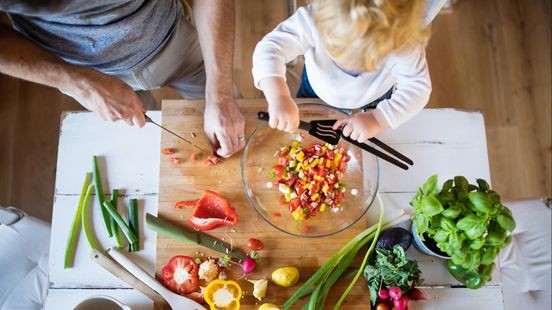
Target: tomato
277, 213
255, 244
167, 151
294, 204
180, 275
279, 171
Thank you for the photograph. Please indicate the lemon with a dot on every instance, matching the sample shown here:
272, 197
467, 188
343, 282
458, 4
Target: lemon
268, 307
285, 276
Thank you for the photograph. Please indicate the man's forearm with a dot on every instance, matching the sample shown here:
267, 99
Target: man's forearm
215, 22
22, 58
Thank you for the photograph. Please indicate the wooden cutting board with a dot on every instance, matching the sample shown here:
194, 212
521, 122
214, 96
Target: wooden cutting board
189, 179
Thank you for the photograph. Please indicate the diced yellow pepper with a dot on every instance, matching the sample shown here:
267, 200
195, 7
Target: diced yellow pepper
323, 207
318, 178
328, 163
295, 143
300, 156
325, 188
298, 214
315, 196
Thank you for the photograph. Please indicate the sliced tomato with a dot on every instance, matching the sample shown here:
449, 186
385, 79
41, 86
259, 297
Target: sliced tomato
180, 275
212, 210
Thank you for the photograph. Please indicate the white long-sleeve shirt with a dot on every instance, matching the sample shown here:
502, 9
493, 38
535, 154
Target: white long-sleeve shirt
298, 36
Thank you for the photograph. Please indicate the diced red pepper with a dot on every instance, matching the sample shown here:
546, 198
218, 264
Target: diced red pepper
167, 151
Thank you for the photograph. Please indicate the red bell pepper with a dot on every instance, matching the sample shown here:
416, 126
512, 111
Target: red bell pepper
180, 275
212, 210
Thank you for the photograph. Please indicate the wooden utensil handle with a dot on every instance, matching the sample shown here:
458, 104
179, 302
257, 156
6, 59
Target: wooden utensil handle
119, 272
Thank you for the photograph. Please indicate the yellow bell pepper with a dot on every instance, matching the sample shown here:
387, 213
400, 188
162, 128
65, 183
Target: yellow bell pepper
223, 295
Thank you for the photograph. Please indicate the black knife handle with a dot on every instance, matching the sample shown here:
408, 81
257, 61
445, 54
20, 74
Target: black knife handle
377, 152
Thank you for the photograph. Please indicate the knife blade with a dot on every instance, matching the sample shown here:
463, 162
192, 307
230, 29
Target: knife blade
149, 120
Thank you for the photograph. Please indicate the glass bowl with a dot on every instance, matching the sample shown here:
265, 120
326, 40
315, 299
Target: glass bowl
361, 179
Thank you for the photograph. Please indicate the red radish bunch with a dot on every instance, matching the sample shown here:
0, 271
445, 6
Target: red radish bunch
400, 301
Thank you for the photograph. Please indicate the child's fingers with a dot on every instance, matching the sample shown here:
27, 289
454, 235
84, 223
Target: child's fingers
347, 130
281, 124
273, 122
291, 126
340, 122
363, 138
355, 135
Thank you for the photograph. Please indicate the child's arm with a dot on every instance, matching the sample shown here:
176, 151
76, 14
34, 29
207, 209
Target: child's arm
413, 88
282, 110
291, 38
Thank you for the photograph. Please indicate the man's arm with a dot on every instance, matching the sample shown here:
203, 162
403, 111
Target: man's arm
109, 97
224, 124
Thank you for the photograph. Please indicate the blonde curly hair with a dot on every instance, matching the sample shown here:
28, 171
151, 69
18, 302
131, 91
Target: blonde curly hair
360, 34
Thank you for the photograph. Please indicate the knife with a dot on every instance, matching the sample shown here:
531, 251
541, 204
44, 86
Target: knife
149, 120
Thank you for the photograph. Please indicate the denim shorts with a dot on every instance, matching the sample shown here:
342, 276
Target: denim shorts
305, 91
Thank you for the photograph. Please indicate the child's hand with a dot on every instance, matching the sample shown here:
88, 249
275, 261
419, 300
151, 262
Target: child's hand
359, 127
284, 114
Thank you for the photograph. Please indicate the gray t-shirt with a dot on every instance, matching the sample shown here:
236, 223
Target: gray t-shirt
111, 36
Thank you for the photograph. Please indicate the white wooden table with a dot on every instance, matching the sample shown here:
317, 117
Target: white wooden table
443, 141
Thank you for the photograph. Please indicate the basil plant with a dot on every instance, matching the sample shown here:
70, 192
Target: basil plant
466, 221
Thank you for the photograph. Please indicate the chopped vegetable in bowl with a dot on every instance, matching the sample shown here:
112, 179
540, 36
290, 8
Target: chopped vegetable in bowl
309, 178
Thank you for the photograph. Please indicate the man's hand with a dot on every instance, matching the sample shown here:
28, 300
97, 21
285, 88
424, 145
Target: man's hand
224, 126
107, 96
359, 127
284, 114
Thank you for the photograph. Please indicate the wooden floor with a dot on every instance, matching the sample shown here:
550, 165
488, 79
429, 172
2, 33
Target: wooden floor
491, 55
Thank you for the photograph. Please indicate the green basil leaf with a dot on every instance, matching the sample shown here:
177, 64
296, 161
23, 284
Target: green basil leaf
454, 242
472, 188
431, 206
506, 221
430, 186
447, 225
477, 244
476, 230
421, 222
461, 183
468, 222
441, 236
480, 201
507, 242
453, 212
494, 198
474, 260
483, 185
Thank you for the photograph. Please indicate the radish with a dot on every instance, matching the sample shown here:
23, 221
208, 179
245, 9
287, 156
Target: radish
417, 294
401, 303
248, 265
395, 292
383, 294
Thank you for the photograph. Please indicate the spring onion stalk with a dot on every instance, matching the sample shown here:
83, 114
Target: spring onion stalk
70, 248
133, 224
331, 271
84, 217
365, 260
113, 224
131, 237
100, 195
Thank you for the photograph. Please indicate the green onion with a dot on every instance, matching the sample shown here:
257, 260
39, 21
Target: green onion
133, 224
89, 237
364, 261
100, 195
322, 280
113, 224
131, 237
70, 248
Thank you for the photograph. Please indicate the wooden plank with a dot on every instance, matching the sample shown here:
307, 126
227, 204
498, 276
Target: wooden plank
131, 159
489, 297
69, 298
127, 157
188, 180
